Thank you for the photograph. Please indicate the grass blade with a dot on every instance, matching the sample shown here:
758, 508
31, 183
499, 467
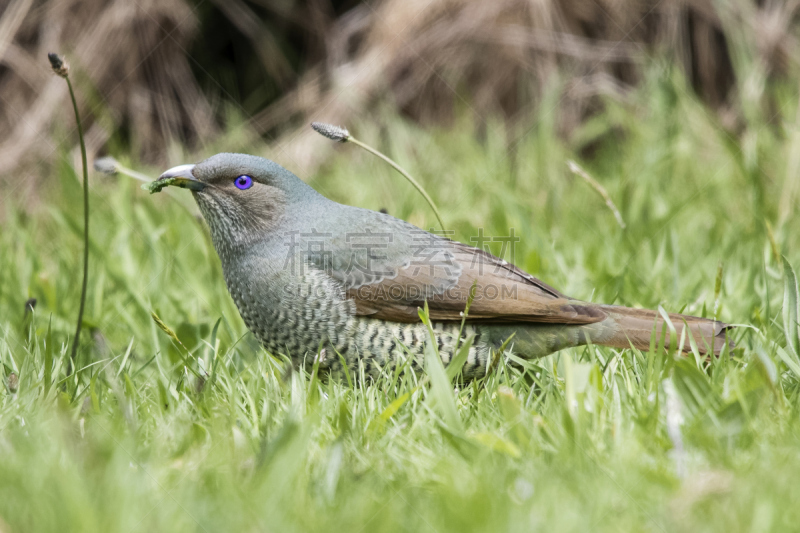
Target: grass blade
790, 307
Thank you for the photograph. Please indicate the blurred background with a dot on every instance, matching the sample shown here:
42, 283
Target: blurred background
158, 77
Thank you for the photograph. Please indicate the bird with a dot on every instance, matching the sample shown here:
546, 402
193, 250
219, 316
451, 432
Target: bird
341, 287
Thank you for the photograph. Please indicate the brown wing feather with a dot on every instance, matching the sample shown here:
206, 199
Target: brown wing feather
503, 292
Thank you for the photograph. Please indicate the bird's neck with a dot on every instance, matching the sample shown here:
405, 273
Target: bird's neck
234, 231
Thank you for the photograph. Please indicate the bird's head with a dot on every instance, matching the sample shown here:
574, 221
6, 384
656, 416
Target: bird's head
242, 197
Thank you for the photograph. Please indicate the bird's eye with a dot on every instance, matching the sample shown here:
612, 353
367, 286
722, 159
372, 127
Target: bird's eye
243, 182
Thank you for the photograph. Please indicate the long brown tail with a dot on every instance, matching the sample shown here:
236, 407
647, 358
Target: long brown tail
635, 327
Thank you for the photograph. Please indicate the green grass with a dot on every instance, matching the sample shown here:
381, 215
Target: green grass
577, 441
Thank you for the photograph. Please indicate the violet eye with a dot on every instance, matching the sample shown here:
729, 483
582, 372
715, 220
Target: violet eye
243, 182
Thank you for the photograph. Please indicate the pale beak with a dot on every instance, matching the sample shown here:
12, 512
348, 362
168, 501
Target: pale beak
181, 176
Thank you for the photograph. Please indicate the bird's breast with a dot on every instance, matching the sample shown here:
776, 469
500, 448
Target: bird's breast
290, 312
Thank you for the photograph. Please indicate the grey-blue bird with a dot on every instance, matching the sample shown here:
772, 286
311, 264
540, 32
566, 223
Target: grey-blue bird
315, 279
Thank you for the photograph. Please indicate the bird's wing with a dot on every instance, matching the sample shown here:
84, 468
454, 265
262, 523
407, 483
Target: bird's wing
502, 292
390, 268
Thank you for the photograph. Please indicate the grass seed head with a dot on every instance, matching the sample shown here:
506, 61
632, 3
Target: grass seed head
334, 133
59, 65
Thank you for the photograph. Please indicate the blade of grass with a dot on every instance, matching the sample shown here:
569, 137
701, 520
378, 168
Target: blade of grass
791, 308
441, 391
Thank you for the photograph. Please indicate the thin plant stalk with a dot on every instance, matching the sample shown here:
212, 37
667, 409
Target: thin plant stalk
111, 167
340, 134
576, 169
408, 176
61, 68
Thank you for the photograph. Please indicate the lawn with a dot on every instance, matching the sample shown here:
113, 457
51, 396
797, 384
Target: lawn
211, 433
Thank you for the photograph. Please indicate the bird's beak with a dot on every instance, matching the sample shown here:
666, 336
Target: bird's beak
181, 176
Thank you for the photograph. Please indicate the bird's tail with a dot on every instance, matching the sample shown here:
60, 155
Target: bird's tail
623, 327
627, 326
